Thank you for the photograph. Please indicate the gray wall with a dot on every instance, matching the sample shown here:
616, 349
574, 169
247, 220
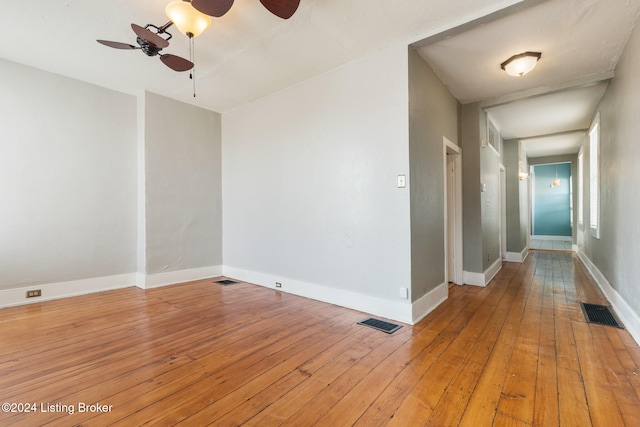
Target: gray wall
481, 209
433, 113
183, 203
73, 201
616, 253
67, 179
310, 182
490, 205
471, 211
516, 233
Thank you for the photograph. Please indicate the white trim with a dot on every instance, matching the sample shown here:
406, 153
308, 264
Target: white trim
401, 311
560, 238
179, 276
491, 272
475, 279
503, 211
429, 302
394, 310
483, 279
629, 318
494, 151
595, 194
575, 248
51, 291
449, 147
141, 245
517, 256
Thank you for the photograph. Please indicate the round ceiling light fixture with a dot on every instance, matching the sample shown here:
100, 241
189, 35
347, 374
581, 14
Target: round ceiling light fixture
188, 19
521, 64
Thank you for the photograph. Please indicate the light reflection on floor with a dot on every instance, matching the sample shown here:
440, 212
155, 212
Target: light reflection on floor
550, 244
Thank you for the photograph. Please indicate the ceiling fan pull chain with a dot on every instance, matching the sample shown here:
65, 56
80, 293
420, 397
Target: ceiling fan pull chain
192, 57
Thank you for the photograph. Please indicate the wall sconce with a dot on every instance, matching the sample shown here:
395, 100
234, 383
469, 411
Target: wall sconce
521, 175
521, 64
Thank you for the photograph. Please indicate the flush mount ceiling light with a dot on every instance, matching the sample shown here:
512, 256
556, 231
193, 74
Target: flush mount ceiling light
521, 64
189, 21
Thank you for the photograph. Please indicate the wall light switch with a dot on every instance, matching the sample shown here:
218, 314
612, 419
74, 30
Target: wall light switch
402, 181
404, 293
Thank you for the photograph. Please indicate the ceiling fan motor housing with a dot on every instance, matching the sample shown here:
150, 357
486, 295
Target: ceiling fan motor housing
148, 48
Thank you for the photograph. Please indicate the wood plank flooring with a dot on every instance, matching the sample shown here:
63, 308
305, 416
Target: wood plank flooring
516, 353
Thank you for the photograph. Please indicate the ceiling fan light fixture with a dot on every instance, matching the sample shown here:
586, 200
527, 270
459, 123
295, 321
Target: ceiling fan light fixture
521, 64
189, 21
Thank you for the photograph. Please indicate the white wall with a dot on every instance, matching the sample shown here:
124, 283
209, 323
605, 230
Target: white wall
67, 179
183, 191
309, 184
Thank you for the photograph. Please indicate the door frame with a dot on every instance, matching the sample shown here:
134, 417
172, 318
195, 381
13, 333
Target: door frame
453, 195
503, 212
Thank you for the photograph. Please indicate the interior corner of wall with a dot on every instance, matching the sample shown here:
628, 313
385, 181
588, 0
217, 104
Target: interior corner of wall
141, 280
429, 302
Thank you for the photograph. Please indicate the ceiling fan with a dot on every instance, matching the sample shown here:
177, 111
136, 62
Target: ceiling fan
282, 8
151, 43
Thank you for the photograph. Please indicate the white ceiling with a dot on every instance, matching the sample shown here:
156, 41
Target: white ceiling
250, 53
553, 113
581, 42
565, 143
246, 54
547, 124
576, 37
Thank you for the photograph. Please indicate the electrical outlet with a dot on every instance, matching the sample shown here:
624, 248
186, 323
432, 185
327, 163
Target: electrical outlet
278, 285
34, 293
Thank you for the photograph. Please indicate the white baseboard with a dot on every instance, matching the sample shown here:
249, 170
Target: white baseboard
575, 248
427, 303
401, 311
179, 276
626, 314
482, 279
517, 256
471, 278
51, 291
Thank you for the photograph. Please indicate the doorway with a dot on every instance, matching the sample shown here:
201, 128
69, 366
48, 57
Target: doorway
452, 165
551, 206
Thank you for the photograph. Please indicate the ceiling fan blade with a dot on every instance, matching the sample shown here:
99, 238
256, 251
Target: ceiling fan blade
176, 63
117, 45
149, 36
282, 8
215, 8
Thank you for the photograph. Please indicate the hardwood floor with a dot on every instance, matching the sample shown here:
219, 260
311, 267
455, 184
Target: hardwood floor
517, 352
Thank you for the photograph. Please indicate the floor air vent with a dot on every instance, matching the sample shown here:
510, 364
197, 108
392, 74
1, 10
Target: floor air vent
599, 314
226, 282
380, 325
